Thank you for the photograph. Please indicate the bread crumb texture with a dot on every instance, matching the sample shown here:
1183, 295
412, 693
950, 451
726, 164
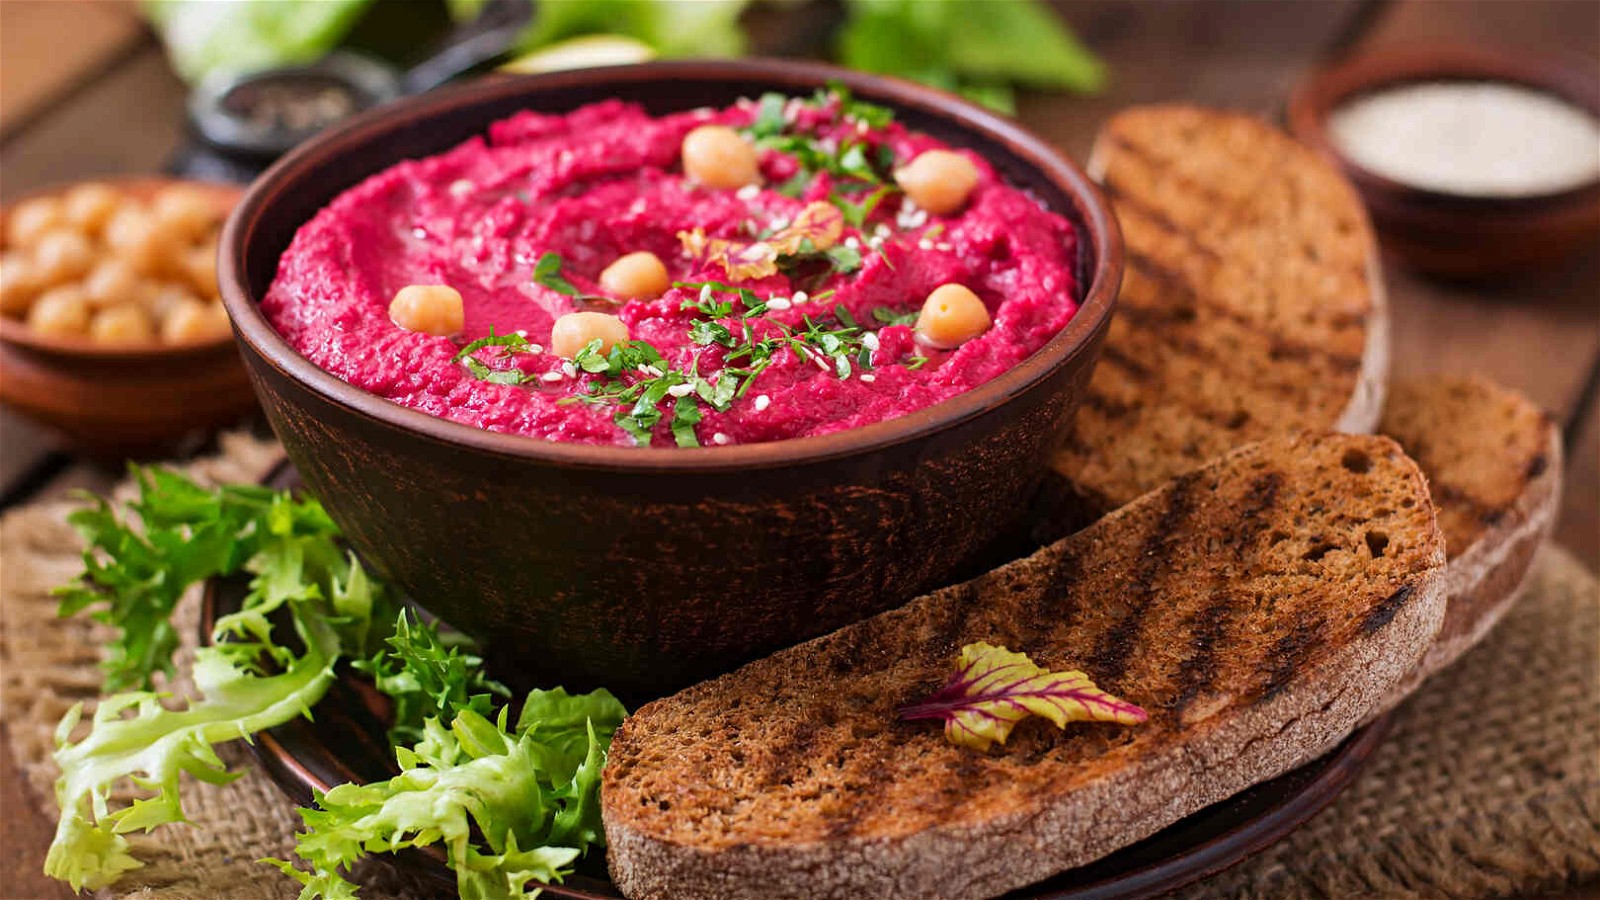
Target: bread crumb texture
1479, 443
1245, 302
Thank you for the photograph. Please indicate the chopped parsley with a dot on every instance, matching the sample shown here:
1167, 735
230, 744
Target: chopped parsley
851, 160
547, 271
510, 344
886, 316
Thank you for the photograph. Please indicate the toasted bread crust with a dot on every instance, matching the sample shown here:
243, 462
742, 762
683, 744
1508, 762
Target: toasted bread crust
1494, 463
1252, 304
1248, 606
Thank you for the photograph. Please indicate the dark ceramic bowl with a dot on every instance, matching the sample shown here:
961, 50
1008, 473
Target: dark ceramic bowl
1445, 234
647, 569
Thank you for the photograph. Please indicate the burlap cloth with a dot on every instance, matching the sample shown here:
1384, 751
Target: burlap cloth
1489, 784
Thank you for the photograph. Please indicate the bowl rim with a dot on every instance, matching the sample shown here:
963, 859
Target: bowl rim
18, 334
1103, 268
1326, 87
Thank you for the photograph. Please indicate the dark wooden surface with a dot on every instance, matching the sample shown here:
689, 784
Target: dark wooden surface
81, 97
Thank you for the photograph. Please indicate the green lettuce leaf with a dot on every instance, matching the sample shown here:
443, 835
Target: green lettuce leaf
483, 792
672, 27
978, 47
153, 747
428, 677
140, 560
203, 36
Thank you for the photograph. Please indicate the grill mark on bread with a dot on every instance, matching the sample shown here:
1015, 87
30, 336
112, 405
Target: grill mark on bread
1158, 218
1198, 671
1111, 657
1289, 654
1191, 298
1536, 466
963, 600
1448, 494
1385, 611
1224, 212
1057, 603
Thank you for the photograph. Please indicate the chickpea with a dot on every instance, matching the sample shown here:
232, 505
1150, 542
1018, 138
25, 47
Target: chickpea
718, 157
200, 263
939, 181
19, 284
434, 309
61, 312
162, 298
636, 276
183, 212
90, 206
124, 323
62, 255
821, 222
33, 219
133, 235
112, 282
193, 321
573, 331
951, 316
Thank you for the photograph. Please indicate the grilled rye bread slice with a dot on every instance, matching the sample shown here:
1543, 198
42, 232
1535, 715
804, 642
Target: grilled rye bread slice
1257, 608
1251, 305
1493, 461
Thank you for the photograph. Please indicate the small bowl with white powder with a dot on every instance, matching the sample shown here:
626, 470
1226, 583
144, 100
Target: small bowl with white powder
1472, 162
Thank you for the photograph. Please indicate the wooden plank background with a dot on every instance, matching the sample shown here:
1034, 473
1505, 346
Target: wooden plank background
85, 91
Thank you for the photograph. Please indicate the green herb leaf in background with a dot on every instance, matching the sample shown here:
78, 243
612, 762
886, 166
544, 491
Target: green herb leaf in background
203, 35
978, 47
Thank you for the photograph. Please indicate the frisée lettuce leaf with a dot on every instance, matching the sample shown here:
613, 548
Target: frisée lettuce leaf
531, 792
512, 807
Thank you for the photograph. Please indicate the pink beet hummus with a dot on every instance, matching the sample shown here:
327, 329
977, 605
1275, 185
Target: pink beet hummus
605, 180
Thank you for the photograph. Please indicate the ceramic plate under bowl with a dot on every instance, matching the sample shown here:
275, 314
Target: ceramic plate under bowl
346, 743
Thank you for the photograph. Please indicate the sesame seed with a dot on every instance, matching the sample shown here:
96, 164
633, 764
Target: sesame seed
652, 371
882, 231
779, 224
868, 378
801, 296
762, 402
852, 243
924, 244
705, 294
460, 188
748, 192
870, 340
720, 438
570, 370
535, 348
681, 390
942, 246
778, 302
521, 332
552, 375
419, 233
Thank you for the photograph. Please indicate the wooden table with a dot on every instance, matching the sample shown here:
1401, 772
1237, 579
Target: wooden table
86, 91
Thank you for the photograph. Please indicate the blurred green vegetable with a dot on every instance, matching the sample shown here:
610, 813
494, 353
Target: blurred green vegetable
980, 48
242, 35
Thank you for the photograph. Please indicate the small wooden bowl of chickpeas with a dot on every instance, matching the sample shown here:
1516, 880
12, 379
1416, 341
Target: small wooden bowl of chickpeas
111, 330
